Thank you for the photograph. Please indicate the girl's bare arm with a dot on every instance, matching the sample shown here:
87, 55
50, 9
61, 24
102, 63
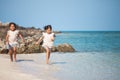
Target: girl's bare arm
7, 36
20, 35
40, 39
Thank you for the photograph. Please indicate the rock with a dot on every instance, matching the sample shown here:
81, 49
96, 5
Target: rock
3, 47
31, 36
54, 49
65, 48
4, 51
31, 47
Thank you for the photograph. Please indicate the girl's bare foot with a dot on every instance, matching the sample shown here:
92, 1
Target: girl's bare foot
47, 62
15, 60
11, 60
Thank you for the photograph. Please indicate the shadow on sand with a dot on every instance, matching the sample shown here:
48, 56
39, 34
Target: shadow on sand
26, 60
58, 63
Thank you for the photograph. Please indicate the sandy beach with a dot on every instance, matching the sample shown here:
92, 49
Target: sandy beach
68, 66
10, 70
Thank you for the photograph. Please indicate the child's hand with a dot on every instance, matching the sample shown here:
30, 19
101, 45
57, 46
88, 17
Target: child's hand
36, 43
23, 41
7, 43
52, 38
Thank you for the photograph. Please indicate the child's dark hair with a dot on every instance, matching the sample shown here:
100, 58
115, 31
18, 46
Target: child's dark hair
47, 27
12, 23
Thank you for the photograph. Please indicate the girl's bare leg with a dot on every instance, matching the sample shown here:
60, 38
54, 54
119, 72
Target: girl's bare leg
11, 54
47, 55
14, 49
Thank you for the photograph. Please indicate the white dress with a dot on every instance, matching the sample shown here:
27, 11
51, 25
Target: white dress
12, 38
47, 42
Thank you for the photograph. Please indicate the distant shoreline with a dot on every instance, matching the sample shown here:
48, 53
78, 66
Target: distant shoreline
86, 31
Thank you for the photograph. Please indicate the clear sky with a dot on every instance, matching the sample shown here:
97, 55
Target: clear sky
63, 14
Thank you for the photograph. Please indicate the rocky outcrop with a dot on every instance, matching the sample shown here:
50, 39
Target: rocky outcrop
30, 47
36, 48
31, 36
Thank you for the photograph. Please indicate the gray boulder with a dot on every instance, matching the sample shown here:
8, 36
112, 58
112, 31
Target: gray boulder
31, 48
65, 48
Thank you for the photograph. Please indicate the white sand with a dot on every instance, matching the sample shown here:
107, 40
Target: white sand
77, 66
10, 71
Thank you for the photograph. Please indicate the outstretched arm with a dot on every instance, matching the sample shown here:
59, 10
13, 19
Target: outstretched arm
7, 36
40, 39
20, 35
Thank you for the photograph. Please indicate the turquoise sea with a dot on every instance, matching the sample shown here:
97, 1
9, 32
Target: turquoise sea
91, 41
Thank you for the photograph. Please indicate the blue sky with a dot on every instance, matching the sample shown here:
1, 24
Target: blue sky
63, 14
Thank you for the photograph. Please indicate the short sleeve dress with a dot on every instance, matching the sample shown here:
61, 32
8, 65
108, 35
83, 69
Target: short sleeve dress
47, 42
13, 38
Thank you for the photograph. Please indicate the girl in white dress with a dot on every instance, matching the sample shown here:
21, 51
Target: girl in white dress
12, 40
48, 39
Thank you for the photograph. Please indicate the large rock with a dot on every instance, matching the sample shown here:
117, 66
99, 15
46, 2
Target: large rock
65, 48
54, 49
4, 51
3, 47
33, 48
30, 49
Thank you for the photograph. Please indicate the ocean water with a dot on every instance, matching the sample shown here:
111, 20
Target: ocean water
91, 41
